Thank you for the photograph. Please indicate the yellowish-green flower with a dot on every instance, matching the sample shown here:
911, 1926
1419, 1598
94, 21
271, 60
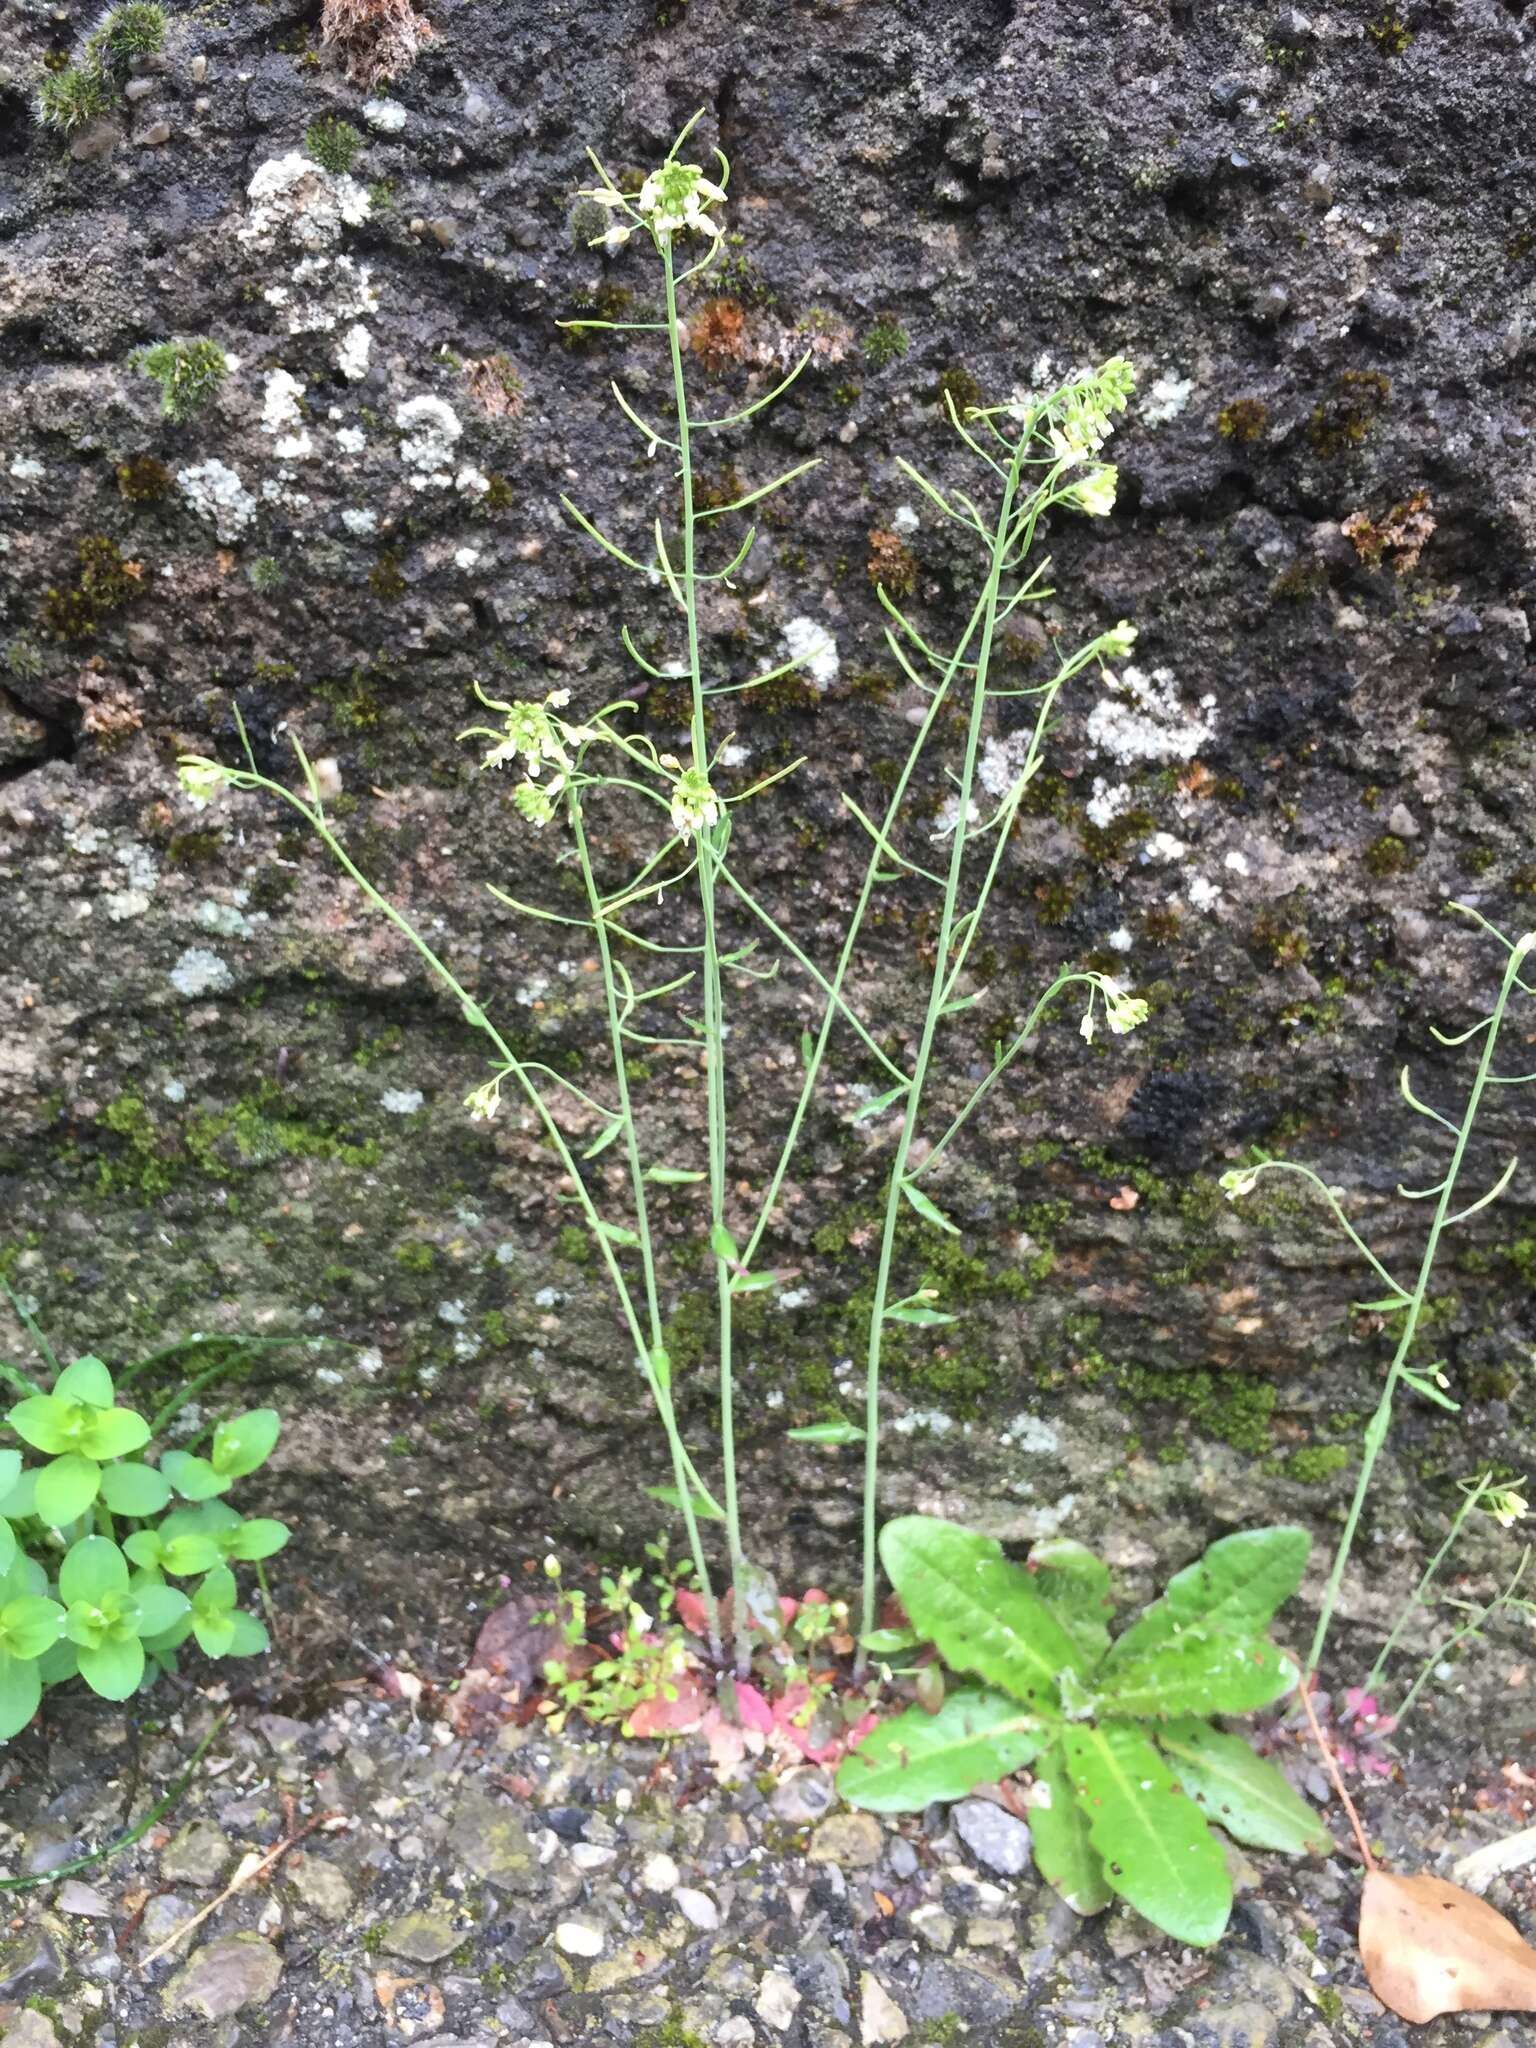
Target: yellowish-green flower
695, 807
202, 779
673, 201
1095, 493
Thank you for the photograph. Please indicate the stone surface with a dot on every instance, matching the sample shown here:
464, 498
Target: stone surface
421, 1937
236, 1973
199, 1854
853, 1840
881, 2018
998, 1840
30, 2030
491, 1842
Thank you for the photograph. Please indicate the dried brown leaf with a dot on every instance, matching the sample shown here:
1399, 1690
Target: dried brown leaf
1429, 1947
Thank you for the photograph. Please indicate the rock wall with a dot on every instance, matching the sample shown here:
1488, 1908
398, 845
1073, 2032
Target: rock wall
229, 1098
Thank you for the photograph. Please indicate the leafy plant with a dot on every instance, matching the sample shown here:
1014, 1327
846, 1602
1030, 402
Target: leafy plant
1128, 1768
687, 908
333, 143
89, 1538
135, 29
68, 99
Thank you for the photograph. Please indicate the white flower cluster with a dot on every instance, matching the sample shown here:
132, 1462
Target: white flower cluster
531, 734
1122, 1012
695, 806
674, 200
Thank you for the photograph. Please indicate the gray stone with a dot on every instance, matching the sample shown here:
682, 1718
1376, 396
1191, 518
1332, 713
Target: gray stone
28, 1963
973, 1992
322, 1887
421, 1937
997, 1839
200, 1854
803, 1796
230, 1975
853, 1840
30, 2030
83, 1900
490, 1842
697, 1908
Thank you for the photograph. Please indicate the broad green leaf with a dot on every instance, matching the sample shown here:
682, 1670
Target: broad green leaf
134, 1489
1236, 1587
8, 1546
92, 1568
244, 1442
843, 1432
10, 1471
113, 1433
259, 1537
86, 1380
112, 1667
929, 1210
752, 1283
29, 1625
59, 1663
1074, 1584
21, 1688
248, 1636
1156, 1850
190, 1551
66, 1487
1064, 1856
21, 1500
880, 1103
22, 1575
160, 1607
215, 1632
193, 1478
43, 1422
707, 1510
1241, 1792
218, 1592
982, 1613
159, 1646
1198, 1673
974, 1739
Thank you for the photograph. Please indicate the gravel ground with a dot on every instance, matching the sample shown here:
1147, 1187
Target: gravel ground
527, 1890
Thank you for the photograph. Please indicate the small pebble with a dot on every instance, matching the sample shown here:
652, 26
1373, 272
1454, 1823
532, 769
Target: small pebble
659, 1873
579, 1938
697, 1908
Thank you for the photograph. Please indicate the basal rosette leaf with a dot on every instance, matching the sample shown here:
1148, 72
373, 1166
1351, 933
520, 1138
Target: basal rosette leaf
1235, 1588
1074, 1584
1198, 1673
1242, 1793
980, 1611
1157, 1852
1064, 1855
974, 1739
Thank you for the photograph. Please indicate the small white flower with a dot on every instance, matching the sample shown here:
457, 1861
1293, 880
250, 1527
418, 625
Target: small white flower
1506, 1505
1120, 640
1238, 1181
673, 200
202, 780
484, 1101
695, 807
1095, 493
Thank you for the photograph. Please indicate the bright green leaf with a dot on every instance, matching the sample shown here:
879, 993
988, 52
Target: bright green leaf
160, 1607
723, 1245
8, 1546
924, 1318
244, 1442
974, 1739
112, 1667
1243, 1793
10, 1471
673, 1176
86, 1380
1074, 1584
1198, 1673
616, 1233
215, 1632
92, 1569
134, 1489
841, 1432
604, 1138
193, 1478
1064, 1855
113, 1433
1156, 1850
218, 1592
248, 1638
981, 1611
259, 1537
928, 1210
66, 1487
704, 1508
21, 1688
1235, 1588
888, 1642
29, 1625
21, 1500
44, 1423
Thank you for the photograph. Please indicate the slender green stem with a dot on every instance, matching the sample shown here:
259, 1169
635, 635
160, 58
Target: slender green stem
661, 1377
1472, 1628
710, 838
1417, 1597
1376, 1429
895, 1194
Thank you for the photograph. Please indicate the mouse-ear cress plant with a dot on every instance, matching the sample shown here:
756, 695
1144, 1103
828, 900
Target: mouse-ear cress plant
676, 968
